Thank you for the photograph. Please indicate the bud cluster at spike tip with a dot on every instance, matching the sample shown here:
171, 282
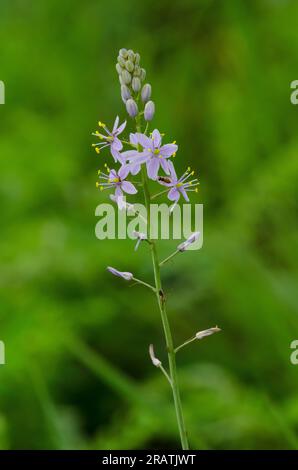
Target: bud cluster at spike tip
134, 92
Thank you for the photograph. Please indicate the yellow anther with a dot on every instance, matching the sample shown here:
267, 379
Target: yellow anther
99, 171
114, 180
174, 154
156, 152
192, 173
174, 142
190, 183
196, 190
101, 188
188, 169
101, 124
178, 185
97, 149
97, 184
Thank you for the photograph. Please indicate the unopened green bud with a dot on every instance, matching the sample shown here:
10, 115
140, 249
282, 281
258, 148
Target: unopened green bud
149, 111
131, 55
126, 77
118, 68
143, 74
129, 66
132, 108
146, 93
121, 61
123, 53
136, 84
137, 71
137, 58
125, 93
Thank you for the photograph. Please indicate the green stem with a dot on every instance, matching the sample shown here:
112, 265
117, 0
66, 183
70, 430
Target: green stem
169, 257
165, 322
185, 343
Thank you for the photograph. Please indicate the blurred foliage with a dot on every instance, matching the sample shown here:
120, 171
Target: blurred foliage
77, 372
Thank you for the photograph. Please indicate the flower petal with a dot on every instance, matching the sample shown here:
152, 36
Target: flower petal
128, 187
135, 168
115, 124
121, 128
168, 150
172, 171
174, 194
123, 172
165, 165
129, 154
153, 167
145, 142
117, 144
156, 137
184, 194
133, 139
116, 154
118, 192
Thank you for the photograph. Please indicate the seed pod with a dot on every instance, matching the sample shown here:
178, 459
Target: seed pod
118, 68
132, 108
137, 71
129, 66
146, 93
126, 77
121, 61
149, 111
143, 74
125, 93
136, 84
123, 53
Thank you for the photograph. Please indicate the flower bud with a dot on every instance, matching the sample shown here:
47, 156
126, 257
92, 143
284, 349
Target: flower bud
132, 108
126, 77
143, 74
125, 93
129, 65
136, 84
118, 68
149, 111
131, 55
155, 361
137, 58
121, 61
146, 93
137, 71
210, 331
123, 53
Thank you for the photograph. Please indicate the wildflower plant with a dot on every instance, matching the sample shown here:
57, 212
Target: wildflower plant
149, 155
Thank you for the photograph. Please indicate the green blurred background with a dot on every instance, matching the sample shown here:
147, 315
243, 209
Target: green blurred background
77, 372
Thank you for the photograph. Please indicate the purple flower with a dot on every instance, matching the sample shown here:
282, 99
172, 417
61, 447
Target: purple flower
179, 186
116, 180
191, 239
125, 275
111, 139
154, 154
132, 155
